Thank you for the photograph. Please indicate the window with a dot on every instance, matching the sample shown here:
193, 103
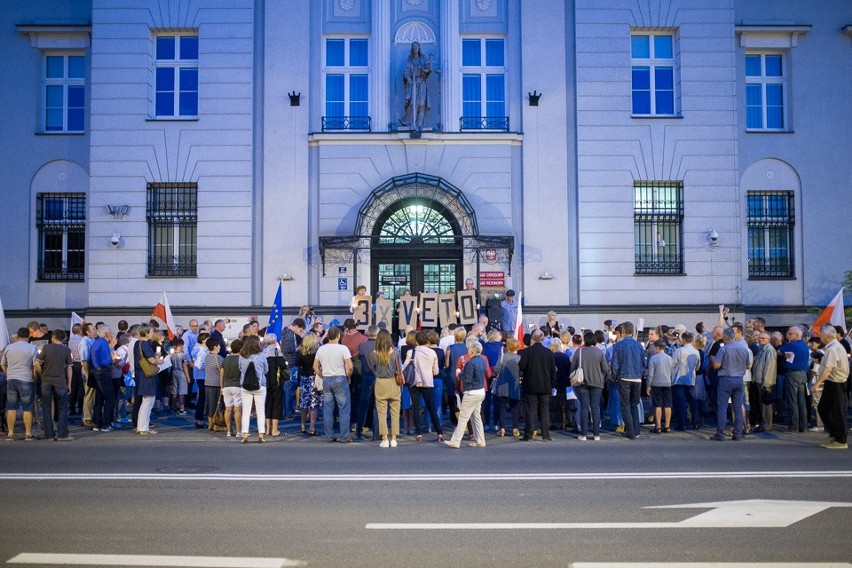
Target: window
658, 226
765, 91
176, 78
484, 84
653, 74
347, 101
64, 93
417, 224
172, 213
61, 223
770, 234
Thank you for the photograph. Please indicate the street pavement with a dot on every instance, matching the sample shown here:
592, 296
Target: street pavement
186, 493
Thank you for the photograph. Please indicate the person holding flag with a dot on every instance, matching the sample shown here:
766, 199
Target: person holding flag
163, 312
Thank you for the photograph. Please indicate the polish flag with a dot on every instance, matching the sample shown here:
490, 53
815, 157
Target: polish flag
519, 321
833, 314
163, 312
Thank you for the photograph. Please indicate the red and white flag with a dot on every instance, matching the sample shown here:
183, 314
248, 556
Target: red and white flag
519, 320
833, 314
163, 312
4, 331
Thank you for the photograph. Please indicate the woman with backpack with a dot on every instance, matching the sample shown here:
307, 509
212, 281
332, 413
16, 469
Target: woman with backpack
253, 370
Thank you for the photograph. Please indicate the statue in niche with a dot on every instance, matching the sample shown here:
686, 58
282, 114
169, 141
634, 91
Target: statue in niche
417, 70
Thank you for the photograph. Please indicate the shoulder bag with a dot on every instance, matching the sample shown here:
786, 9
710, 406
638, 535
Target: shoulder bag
409, 374
400, 379
150, 369
577, 376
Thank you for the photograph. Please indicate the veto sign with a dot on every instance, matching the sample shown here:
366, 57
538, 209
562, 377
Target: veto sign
467, 307
361, 312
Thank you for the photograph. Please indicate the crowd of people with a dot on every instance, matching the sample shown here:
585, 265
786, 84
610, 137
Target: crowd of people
740, 378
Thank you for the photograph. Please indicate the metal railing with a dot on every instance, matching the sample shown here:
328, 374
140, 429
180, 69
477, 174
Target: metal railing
500, 123
362, 123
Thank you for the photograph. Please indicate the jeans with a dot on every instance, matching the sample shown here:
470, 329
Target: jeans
290, 388
427, 393
796, 400
684, 396
470, 410
75, 396
335, 390
59, 396
733, 388
365, 403
104, 399
259, 399
589, 397
201, 400
628, 394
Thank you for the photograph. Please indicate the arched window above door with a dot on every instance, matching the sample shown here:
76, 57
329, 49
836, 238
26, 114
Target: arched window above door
416, 223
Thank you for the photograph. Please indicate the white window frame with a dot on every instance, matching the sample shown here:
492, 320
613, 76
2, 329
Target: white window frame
483, 71
347, 71
652, 62
763, 81
176, 65
65, 81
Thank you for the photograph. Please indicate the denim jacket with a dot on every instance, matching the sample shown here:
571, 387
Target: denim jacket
628, 359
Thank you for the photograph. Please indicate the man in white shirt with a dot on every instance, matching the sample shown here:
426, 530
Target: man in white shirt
832, 378
334, 364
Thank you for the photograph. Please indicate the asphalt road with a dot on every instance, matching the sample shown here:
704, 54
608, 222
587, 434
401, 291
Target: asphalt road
190, 493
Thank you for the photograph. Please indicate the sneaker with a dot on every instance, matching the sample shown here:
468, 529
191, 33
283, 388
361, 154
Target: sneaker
144, 432
228, 434
181, 412
87, 424
582, 438
393, 444
836, 446
64, 438
152, 431
717, 438
597, 438
475, 445
620, 428
502, 432
816, 429
516, 433
384, 444
452, 445
107, 429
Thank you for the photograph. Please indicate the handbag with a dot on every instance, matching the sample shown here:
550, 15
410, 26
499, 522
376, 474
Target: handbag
409, 374
150, 369
400, 379
577, 376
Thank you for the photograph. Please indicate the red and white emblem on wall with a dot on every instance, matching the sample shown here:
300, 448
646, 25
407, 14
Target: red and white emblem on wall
491, 255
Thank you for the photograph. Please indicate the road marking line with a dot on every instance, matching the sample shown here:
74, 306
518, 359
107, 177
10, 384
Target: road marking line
710, 565
151, 560
475, 477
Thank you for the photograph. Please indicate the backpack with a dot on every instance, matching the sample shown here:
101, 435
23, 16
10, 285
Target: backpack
250, 380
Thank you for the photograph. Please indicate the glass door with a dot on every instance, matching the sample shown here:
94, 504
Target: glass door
394, 279
439, 277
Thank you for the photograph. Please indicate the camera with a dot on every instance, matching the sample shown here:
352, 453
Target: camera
115, 240
713, 236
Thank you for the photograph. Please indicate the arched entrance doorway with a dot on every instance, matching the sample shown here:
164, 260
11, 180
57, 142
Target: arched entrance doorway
420, 233
417, 247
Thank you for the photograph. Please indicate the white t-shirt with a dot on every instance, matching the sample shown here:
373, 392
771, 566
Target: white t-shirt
332, 357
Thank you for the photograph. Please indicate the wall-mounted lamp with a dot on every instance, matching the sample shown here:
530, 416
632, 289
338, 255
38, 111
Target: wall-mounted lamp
287, 277
534, 96
712, 237
546, 276
295, 98
118, 211
115, 240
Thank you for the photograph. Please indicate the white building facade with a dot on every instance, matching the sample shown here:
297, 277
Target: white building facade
608, 159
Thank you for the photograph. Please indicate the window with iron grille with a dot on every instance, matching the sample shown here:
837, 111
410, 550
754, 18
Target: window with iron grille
770, 234
658, 227
61, 223
172, 213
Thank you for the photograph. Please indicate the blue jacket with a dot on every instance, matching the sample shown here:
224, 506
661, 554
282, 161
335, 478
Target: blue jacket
628, 359
473, 374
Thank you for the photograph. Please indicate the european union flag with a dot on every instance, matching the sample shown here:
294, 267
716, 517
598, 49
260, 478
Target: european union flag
276, 316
